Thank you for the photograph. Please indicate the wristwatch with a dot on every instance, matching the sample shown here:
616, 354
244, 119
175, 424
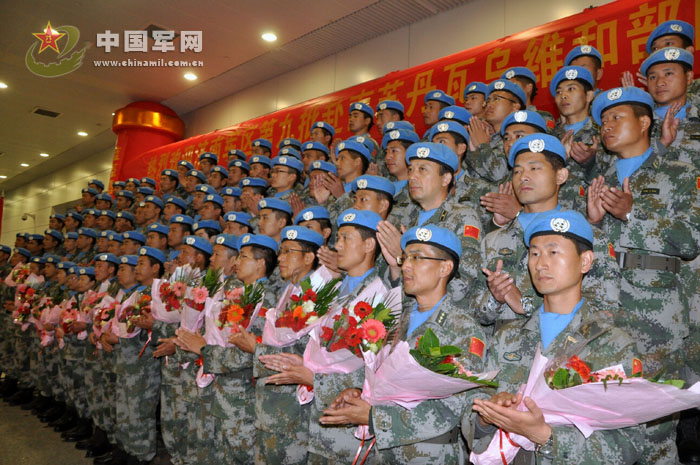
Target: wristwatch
628, 216
399, 260
546, 449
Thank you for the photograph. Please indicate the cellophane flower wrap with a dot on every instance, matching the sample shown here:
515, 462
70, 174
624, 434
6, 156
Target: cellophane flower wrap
135, 305
606, 399
168, 295
363, 325
26, 296
197, 297
104, 313
68, 314
50, 315
296, 320
19, 274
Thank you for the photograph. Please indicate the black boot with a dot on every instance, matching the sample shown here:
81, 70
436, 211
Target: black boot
135, 461
9, 387
36, 397
21, 397
43, 404
53, 413
64, 416
68, 421
83, 431
116, 456
688, 441
100, 445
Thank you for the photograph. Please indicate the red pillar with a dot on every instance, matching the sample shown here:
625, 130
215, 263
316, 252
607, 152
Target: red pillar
141, 126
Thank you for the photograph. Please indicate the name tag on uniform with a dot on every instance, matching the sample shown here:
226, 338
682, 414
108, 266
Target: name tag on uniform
695, 137
505, 251
650, 191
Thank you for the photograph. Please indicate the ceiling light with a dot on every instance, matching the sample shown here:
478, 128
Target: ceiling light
3, 177
269, 37
44, 155
23, 164
82, 133
3, 85
190, 76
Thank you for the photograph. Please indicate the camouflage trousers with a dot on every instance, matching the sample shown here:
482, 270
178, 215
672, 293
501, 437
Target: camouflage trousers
6, 351
173, 422
21, 348
52, 362
137, 394
282, 449
660, 442
74, 375
236, 441
201, 438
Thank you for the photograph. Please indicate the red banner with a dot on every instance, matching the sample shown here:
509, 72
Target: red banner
619, 30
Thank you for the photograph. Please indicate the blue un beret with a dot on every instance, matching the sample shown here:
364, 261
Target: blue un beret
301, 234
134, 236
107, 257
476, 87
619, 96
403, 124
89, 190
240, 154
55, 234
290, 161
170, 173
205, 188
316, 212
231, 192
214, 198
673, 27
507, 86
208, 224
104, 196
668, 55
125, 193
221, 170
227, 240
58, 216
433, 235
567, 223
76, 216
242, 164
323, 125
253, 182
197, 174
181, 219
98, 183
86, 271
374, 183
290, 151
50, 258
119, 185
89, 232
570, 73
209, 156
8, 250
406, 135
453, 112
175, 200
186, 164
262, 143
145, 190
36, 237
40, 260
439, 96
130, 260
355, 146
71, 235
115, 236
262, 159
275, 204
153, 253
150, 181
238, 217
290, 142
363, 107
23, 251
449, 126
529, 117
198, 243
157, 227
391, 105
360, 218
536, 143
126, 215
583, 51
257, 240
519, 71
313, 145
65, 265
155, 201
438, 153
321, 165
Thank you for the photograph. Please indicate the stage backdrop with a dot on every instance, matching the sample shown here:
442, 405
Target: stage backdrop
619, 30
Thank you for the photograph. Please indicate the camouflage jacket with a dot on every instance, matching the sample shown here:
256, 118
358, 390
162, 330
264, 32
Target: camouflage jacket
603, 345
489, 160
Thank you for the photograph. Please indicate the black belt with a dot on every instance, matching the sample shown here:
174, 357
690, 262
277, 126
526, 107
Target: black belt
630, 260
451, 437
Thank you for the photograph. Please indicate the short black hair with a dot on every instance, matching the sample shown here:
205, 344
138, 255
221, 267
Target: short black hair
554, 160
266, 254
258, 189
354, 155
525, 81
153, 261
395, 112
279, 214
307, 247
581, 246
184, 227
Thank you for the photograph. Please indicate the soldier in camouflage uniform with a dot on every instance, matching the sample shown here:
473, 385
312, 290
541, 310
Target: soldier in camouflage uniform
579, 329
352, 160
430, 432
527, 80
86, 246
432, 167
539, 171
652, 217
394, 144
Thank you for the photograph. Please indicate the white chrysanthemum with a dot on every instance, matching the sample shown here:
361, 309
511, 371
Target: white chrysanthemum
311, 319
308, 306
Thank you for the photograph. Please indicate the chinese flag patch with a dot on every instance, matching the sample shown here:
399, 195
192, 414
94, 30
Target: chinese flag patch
636, 366
471, 231
699, 183
581, 191
476, 347
611, 250
550, 124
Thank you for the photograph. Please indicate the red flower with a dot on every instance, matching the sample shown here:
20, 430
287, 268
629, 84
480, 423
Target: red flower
362, 309
354, 337
309, 295
449, 359
327, 334
262, 312
294, 298
580, 367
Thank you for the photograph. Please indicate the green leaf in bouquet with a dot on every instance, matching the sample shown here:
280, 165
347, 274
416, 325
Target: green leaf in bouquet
445, 368
450, 350
560, 378
576, 379
211, 280
429, 341
679, 383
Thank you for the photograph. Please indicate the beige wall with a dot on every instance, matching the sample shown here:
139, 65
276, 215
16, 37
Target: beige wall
472, 24
40, 196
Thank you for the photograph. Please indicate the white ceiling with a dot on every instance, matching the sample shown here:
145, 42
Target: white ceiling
233, 53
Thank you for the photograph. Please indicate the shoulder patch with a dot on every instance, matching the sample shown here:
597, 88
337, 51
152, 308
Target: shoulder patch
443, 216
550, 124
512, 356
581, 191
650, 191
611, 250
476, 347
698, 183
464, 198
505, 251
471, 231
442, 316
694, 137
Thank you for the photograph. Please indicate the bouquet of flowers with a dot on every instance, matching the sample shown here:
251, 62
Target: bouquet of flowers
50, 315
131, 308
573, 395
18, 275
25, 298
104, 314
240, 307
299, 309
169, 295
198, 298
68, 316
363, 326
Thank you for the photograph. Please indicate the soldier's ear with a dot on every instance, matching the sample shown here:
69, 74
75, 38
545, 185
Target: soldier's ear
446, 267
599, 75
590, 95
561, 176
587, 258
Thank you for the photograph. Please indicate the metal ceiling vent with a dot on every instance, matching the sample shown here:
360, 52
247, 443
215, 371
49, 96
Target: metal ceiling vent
44, 112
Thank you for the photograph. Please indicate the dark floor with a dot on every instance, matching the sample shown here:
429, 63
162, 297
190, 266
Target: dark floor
24, 440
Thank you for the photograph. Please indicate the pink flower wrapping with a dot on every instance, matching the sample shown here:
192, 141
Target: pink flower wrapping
590, 407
